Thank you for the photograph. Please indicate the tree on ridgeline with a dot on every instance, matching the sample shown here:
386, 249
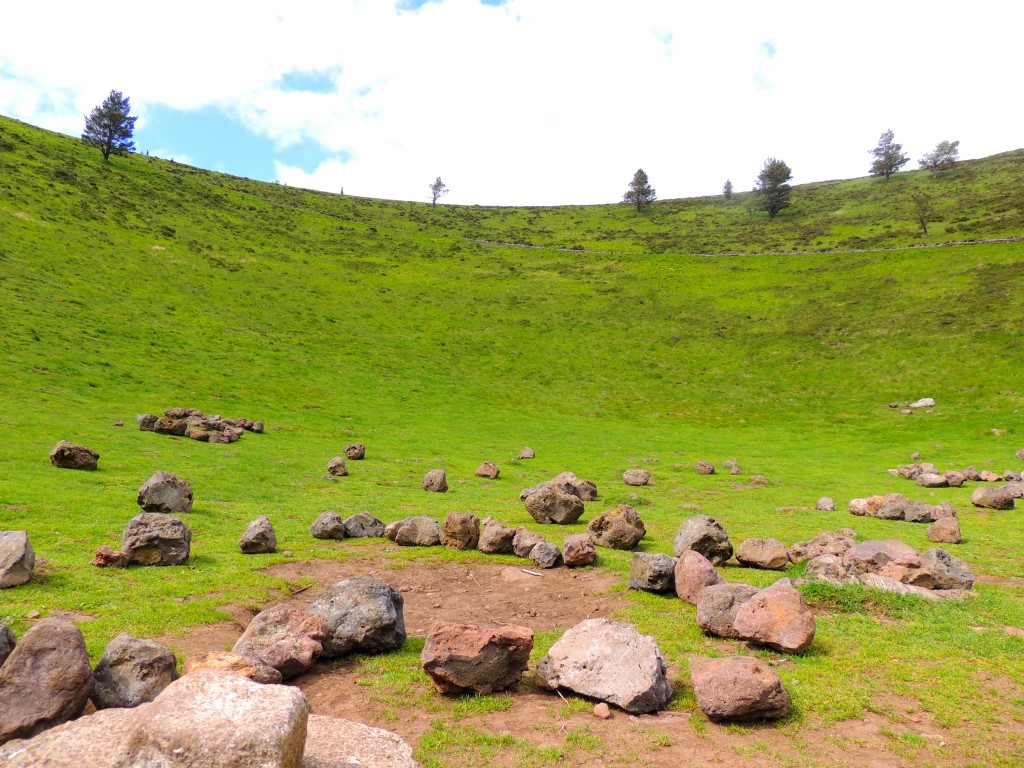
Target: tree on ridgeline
942, 158
771, 187
640, 193
727, 189
436, 190
110, 126
889, 156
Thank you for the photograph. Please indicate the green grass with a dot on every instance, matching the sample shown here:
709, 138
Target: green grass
136, 285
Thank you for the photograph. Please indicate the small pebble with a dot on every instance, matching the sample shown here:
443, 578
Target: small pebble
288, 553
601, 710
33, 615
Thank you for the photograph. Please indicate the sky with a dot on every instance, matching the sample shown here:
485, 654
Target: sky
524, 102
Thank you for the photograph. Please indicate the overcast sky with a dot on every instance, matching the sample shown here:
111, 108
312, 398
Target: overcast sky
525, 102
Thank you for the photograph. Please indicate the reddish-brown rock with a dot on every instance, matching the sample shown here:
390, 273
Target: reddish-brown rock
738, 688
246, 666
617, 528
768, 554
992, 498
718, 604
578, 550
68, 455
460, 658
825, 543
777, 617
285, 638
461, 530
945, 530
693, 573
488, 469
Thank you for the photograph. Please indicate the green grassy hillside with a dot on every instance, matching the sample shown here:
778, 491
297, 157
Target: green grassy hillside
139, 284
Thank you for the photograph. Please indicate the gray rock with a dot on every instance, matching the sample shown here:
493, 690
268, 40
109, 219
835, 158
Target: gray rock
68, 455
717, 606
954, 479
496, 538
152, 538
617, 528
652, 572
165, 493
705, 535
146, 421
17, 559
636, 477
363, 525
550, 505
546, 555
524, 540
418, 531
738, 688
328, 525
527, 453
132, 672
7, 642
362, 614
461, 530
435, 481
609, 661
929, 480
259, 537
831, 568
585, 490
285, 638
992, 498
919, 512
825, 504
947, 572
924, 402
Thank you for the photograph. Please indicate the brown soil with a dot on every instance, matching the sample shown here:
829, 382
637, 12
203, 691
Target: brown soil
557, 599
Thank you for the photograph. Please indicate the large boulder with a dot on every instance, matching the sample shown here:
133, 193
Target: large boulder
947, 572
578, 550
636, 477
246, 666
652, 572
738, 688
131, 672
418, 531
335, 743
586, 490
328, 525
693, 573
151, 538
17, 559
461, 530
777, 617
768, 554
165, 492
285, 638
717, 605
362, 614
363, 525
825, 543
91, 741
435, 481
460, 658
496, 538
705, 535
992, 498
617, 528
259, 537
45, 681
68, 455
609, 661
551, 505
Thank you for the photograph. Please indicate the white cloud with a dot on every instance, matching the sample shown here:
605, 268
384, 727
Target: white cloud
535, 101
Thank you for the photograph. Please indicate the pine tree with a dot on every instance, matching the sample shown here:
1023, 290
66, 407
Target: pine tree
727, 189
640, 192
889, 156
771, 187
110, 127
436, 190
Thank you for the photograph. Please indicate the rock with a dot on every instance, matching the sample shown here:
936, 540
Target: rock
488, 469
919, 512
954, 479
285, 638
328, 525
214, 718
336, 467
758, 480
524, 540
546, 555
947, 572
705, 535
831, 568
988, 476
718, 604
146, 421
825, 504
909, 471
705, 467
602, 711
528, 492
259, 537
17, 559
693, 573
119, 423
1020, 454
461, 530
527, 453
165, 493
608, 661
826, 543
92, 741
45, 681
355, 451
435, 481
924, 402
585, 490
362, 614
7, 642
110, 558
197, 434
256, 427
777, 617
971, 474
460, 658
738, 688
152, 538
166, 425
68, 455
915, 456
132, 672
652, 572
363, 525
550, 505
992, 498
578, 550
246, 666
768, 554
636, 477
929, 480
890, 558
496, 538
335, 743
1016, 490
617, 528
418, 531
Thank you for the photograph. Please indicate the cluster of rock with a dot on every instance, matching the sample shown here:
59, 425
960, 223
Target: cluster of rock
944, 525
353, 452
928, 475
191, 423
891, 565
146, 715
